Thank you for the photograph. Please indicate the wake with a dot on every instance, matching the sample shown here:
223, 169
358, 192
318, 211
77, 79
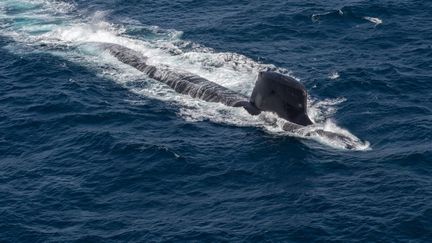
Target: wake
62, 30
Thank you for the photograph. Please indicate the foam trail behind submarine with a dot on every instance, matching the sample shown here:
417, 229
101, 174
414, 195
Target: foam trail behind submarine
273, 92
181, 81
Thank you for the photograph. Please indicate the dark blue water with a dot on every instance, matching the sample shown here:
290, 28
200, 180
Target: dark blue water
92, 151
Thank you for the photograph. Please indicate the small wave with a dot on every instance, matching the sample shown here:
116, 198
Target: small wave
322, 110
58, 6
319, 16
334, 75
376, 21
345, 14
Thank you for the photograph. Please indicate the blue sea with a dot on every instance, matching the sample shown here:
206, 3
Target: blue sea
92, 150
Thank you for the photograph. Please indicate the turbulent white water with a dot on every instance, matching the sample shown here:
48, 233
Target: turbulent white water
376, 21
56, 24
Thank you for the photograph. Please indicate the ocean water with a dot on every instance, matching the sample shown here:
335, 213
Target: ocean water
94, 151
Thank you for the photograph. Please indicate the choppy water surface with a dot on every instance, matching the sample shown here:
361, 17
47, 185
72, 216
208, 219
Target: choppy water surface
92, 150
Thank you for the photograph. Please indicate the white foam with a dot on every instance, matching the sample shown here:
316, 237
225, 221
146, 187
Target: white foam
322, 110
55, 5
376, 21
228, 69
334, 75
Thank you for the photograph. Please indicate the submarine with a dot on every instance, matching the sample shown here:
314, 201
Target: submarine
273, 92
